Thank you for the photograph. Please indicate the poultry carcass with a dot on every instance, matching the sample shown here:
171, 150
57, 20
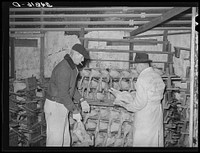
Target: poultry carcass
104, 113
115, 126
103, 125
123, 97
94, 113
134, 73
83, 136
127, 140
114, 114
99, 139
100, 96
124, 74
112, 97
125, 85
91, 124
104, 86
133, 93
114, 73
105, 76
119, 141
94, 84
125, 116
84, 86
19, 85
110, 141
84, 73
159, 71
93, 73
91, 95
116, 85
74, 138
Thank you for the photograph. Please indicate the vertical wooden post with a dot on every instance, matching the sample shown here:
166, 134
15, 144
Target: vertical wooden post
170, 59
84, 42
42, 49
82, 36
131, 54
192, 78
12, 43
165, 45
13, 75
86, 46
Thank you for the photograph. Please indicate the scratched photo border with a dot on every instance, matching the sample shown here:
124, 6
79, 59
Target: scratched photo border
5, 73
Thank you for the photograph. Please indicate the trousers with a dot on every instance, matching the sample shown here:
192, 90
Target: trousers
57, 124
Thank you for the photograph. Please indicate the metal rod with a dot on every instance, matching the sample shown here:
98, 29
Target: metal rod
81, 15
192, 79
125, 61
86, 15
26, 35
154, 35
123, 40
95, 29
79, 23
91, 9
127, 51
92, 22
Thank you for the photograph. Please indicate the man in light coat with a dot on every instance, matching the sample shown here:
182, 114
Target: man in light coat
148, 123
60, 96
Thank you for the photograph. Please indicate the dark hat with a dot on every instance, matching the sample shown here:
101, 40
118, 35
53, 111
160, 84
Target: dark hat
79, 48
142, 58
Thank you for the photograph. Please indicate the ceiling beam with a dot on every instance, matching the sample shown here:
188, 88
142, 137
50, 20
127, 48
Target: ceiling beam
169, 14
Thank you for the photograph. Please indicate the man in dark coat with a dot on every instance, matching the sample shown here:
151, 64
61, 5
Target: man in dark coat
60, 97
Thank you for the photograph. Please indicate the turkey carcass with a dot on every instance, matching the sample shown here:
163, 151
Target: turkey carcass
83, 136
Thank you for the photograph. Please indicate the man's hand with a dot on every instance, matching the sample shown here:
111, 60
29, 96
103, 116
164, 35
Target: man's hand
123, 98
119, 102
85, 106
77, 117
115, 92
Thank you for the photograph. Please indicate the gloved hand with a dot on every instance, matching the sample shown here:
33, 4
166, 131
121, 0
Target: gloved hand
85, 106
77, 117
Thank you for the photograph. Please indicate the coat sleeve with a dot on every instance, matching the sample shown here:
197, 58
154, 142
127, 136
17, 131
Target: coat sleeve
62, 79
140, 100
77, 95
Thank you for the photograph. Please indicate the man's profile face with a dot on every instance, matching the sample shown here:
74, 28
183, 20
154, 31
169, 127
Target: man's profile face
78, 58
138, 67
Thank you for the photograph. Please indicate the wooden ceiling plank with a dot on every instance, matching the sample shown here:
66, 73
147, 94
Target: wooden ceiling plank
169, 14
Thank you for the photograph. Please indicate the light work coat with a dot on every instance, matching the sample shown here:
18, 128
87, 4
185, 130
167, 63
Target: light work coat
148, 122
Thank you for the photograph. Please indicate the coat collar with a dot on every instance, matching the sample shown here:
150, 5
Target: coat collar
146, 70
70, 61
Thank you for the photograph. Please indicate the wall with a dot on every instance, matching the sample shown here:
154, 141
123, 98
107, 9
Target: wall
180, 64
109, 55
27, 61
55, 43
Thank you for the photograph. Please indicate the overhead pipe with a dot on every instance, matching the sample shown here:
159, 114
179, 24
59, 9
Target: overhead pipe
124, 9
96, 29
130, 23
81, 15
